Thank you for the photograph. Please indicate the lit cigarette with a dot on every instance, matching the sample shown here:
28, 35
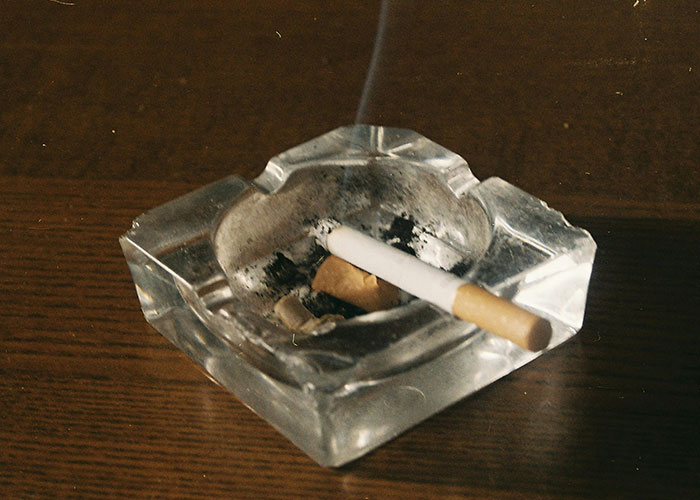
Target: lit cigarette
465, 300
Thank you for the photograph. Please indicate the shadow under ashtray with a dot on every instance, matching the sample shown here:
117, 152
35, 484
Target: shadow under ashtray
209, 268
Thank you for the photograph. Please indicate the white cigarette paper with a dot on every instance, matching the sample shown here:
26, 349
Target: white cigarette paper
446, 291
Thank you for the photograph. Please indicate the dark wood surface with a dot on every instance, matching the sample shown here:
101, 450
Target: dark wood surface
108, 109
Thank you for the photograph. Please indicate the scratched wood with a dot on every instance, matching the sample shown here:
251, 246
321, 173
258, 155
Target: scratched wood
110, 108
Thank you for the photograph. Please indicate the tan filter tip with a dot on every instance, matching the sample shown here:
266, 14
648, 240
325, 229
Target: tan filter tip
501, 317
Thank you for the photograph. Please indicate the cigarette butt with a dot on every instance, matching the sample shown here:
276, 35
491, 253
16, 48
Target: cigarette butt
298, 318
292, 312
501, 317
341, 279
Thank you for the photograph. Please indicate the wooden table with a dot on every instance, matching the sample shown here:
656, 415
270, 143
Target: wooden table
108, 109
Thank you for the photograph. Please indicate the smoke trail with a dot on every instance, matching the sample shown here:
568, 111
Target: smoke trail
374, 62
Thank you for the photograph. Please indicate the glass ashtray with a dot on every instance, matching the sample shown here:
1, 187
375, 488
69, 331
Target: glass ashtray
209, 267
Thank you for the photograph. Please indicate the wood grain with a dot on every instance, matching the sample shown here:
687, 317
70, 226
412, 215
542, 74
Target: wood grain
108, 109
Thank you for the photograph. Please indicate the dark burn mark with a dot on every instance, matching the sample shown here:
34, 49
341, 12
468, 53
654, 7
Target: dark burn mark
401, 228
401, 234
460, 268
283, 272
320, 303
316, 257
404, 247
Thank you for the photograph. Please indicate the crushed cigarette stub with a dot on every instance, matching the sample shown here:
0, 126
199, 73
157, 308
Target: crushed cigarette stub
346, 282
298, 319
